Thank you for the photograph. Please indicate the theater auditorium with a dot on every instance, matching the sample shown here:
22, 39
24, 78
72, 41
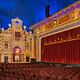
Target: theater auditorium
46, 50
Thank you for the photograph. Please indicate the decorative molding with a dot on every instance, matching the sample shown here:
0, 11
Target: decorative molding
67, 10
69, 38
62, 28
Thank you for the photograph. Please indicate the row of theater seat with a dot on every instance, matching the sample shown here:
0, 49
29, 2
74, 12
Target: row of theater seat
38, 72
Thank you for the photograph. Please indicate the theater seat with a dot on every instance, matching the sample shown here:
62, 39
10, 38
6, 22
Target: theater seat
38, 72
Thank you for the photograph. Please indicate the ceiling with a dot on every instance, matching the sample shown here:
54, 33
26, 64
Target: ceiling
30, 11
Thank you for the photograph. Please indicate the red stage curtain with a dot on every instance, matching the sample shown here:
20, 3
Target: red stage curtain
63, 52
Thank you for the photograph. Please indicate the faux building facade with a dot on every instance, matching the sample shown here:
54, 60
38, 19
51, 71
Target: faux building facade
15, 43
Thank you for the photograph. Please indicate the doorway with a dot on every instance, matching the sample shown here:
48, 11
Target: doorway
5, 59
27, 59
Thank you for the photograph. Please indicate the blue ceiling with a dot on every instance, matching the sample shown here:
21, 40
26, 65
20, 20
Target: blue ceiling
30, 11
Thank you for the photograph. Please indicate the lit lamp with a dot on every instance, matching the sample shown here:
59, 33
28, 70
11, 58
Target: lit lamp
17, 50
9, 25
24, 27
2, 29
